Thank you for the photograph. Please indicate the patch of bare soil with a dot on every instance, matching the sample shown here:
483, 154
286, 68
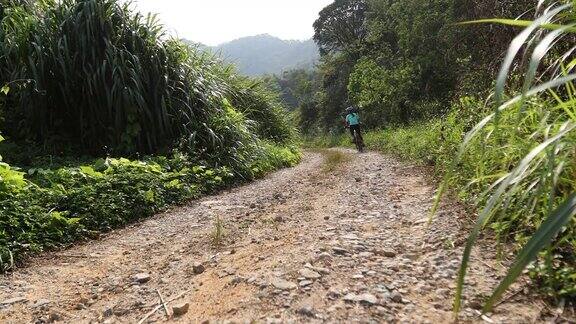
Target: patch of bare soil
348, 243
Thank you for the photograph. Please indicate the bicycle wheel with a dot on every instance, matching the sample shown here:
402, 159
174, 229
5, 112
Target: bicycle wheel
358, 142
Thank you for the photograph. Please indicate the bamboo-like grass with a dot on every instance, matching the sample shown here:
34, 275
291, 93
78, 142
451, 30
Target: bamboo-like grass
102, 78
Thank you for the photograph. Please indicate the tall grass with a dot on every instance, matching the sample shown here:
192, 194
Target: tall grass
105, 79
536, 192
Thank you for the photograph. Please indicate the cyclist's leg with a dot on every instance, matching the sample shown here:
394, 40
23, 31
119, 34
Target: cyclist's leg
351, 128
359, 129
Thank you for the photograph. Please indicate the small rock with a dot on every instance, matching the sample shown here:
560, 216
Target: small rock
326, 217
323, 256
351, 297
141, 277
282, 284
333, 293
363, 298
396, 297
306, 310
388, 253
368, 299
323, 271
309, 274
108, 312
339, 250
305, 283
54, 317
279, 219
180, 309
198, 268
475, 305
237, 279
40, 303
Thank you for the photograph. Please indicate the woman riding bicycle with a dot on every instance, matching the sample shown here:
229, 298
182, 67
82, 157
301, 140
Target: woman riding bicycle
353, 123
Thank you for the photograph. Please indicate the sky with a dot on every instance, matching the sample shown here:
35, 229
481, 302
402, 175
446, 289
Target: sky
213, 22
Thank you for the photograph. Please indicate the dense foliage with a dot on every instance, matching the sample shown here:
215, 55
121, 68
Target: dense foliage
404, 60
83, 81
104, 80
424, 84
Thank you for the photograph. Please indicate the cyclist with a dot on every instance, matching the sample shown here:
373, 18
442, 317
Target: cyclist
353, 122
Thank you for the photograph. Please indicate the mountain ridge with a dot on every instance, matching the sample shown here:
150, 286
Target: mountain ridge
266, 54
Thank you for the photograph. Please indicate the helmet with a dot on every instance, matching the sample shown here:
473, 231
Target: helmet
351, 109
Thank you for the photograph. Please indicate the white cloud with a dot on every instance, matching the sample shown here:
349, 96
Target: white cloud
216, 21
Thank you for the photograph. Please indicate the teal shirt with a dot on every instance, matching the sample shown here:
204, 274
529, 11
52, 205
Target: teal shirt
353, 119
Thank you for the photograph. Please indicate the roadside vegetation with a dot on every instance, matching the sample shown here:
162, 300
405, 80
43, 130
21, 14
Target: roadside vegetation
106, 120
490, 105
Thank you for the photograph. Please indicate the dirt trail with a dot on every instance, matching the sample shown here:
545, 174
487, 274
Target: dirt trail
302, 245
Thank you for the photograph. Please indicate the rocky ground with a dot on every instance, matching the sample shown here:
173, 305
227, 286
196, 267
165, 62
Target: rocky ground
344, 242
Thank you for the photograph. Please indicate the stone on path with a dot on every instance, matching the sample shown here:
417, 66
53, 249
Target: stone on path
282, 284
362, 298
339, 250
309, 274
180, 309
41, 302
198, 268
306, 310
305, 283
396, 297
141, 277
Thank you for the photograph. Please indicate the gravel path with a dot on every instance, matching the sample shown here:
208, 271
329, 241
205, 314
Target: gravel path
303, 245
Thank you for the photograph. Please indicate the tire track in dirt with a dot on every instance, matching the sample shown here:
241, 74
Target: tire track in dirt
302, 245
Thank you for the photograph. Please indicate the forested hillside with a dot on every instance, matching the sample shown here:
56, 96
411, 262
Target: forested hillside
265, 54
425, 87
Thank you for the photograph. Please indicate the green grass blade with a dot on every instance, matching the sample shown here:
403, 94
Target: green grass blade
474, 131
542, 238
489, 208
517, 23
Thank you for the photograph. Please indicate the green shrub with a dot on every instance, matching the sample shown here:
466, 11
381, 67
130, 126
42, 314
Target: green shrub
54, 207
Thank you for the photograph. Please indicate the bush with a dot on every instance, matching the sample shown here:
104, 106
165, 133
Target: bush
104, 80
55, 207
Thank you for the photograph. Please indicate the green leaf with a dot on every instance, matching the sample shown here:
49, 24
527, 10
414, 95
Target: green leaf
90, 172
541, 239
149, 196
5, 89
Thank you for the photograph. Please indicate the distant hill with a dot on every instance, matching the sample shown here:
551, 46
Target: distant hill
265, 54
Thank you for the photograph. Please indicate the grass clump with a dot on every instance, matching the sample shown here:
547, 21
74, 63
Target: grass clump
334, 159
218, 233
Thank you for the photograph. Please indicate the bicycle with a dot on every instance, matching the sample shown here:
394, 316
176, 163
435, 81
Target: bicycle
358, 141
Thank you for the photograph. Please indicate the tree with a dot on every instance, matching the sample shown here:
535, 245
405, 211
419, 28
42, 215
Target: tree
341, 26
